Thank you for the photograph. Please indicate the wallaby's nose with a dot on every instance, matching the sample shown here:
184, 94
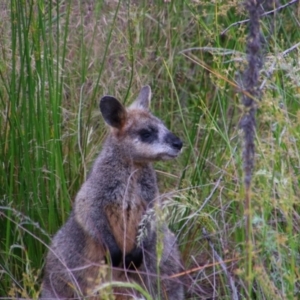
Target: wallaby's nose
173, 140
178, 144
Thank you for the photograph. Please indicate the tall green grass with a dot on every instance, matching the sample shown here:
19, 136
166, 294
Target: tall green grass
31, 149
59, 57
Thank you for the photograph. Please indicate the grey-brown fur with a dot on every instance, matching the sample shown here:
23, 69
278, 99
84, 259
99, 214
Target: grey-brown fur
104, 224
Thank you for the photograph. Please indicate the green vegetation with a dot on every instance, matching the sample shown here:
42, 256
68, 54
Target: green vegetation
58, 57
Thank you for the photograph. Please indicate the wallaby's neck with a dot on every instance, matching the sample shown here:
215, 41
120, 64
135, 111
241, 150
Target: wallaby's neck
115, 159
117, 175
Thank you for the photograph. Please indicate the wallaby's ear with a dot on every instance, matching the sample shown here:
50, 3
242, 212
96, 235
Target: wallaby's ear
144, 98
113, 111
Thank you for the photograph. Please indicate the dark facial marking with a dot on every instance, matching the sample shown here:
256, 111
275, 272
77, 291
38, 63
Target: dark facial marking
173, 140
148, 135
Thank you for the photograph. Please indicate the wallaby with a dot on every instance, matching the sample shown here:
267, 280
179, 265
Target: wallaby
110, 211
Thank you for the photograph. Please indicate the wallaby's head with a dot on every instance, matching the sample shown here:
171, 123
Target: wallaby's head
142, 136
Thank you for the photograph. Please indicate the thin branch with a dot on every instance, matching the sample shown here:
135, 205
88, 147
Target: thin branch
287, 51
200, 268
262, 15
234, 292
272, 68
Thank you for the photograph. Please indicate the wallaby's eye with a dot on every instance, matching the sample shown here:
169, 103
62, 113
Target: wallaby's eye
145, 133
148, 135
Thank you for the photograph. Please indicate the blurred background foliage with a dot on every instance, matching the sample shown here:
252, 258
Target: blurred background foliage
58, 57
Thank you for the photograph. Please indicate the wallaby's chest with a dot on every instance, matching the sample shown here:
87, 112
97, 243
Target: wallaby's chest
124, 220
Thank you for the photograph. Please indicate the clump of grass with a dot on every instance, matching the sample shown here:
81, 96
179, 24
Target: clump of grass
57, 58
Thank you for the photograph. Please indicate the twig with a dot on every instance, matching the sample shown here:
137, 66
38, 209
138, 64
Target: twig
287, 51
197, 269
262, 15
234, 292
272, 68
